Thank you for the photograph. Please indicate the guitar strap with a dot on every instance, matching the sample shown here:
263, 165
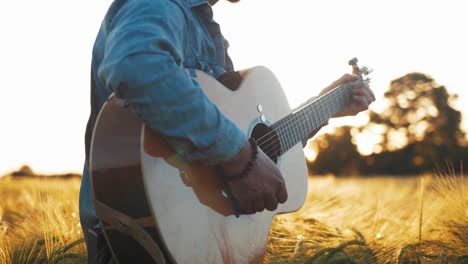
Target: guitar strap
131, 227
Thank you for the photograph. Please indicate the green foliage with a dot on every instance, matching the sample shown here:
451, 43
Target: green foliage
39, 221
337, 149
340, 255
25, 170
418, 130
34, 252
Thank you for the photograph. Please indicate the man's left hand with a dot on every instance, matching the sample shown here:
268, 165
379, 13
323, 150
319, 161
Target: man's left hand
361, 96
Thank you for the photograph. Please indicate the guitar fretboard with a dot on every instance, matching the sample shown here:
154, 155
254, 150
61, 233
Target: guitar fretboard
296, 126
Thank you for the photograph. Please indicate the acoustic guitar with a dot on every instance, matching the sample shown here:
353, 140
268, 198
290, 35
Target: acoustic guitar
155, 208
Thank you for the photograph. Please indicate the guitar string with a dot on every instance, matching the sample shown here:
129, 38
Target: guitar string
335, 90
299, 117
283, 127
293, 121
289, 122
279, 130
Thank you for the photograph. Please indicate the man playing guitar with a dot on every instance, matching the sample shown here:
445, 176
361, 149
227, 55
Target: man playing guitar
144, 53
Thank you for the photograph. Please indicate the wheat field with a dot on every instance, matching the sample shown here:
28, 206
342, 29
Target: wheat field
353, 220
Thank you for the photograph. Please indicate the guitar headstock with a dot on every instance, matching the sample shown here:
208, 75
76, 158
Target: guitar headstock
362, 72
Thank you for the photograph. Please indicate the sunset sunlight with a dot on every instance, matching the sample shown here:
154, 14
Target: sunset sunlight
313, 51
185, 144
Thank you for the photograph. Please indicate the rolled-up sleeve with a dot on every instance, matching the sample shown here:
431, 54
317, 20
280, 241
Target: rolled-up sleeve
143, 65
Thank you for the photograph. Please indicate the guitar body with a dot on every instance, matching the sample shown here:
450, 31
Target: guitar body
181, 206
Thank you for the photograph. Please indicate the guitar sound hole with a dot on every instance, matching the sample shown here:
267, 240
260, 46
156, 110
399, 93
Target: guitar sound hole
267, 140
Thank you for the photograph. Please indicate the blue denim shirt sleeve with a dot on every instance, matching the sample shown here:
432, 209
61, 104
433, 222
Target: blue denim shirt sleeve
143, 65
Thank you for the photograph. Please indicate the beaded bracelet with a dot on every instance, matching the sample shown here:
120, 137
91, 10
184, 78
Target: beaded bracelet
246, 169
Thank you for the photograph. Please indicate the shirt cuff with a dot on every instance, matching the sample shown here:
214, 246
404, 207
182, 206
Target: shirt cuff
227, 144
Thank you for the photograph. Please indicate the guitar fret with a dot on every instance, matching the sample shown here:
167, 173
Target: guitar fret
286, 143
314, 113
296, 126
297, 130
288, 140
285, 136
324, 107
300, 129
322, 113
327, 110
308, 124
303, 128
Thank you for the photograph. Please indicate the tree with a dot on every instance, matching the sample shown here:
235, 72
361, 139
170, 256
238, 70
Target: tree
420, 121
419, 110
337, 154
418, 130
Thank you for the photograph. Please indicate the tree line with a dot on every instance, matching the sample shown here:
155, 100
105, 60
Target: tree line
418, 131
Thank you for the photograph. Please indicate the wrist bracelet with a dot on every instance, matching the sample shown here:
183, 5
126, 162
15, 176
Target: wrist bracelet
246, 169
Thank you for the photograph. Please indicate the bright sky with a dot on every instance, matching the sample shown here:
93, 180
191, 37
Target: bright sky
46, 45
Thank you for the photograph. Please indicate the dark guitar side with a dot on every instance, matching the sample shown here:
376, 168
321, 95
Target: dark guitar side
117, 182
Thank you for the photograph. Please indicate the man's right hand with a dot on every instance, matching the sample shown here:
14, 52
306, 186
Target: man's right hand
263, 187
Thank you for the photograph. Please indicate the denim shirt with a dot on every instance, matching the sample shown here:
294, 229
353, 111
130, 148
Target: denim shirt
141, 54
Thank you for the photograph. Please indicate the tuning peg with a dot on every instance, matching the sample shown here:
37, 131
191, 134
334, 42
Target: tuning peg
353, 61
365, 71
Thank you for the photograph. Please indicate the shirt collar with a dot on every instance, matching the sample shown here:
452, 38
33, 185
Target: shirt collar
194, 3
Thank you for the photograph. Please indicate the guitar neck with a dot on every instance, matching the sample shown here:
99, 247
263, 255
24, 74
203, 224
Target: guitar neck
296, 126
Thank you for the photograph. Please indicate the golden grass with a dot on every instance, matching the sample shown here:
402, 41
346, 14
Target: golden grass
39, 221
374, 220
